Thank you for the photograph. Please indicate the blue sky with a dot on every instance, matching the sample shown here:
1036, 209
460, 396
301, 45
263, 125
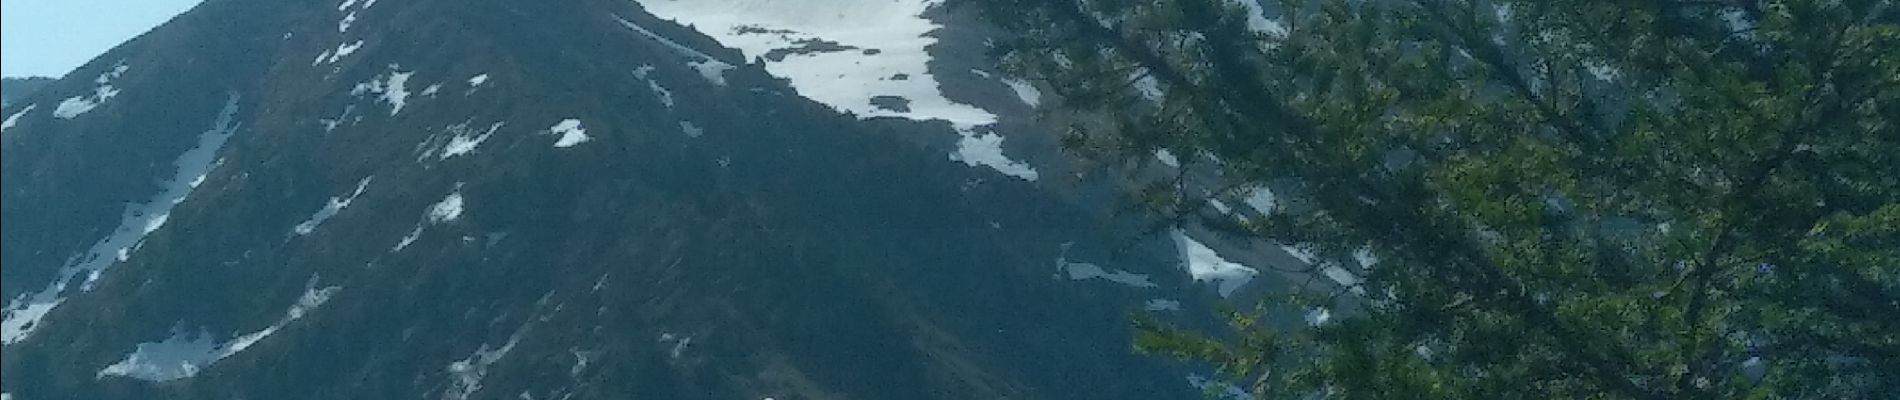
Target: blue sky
51, 37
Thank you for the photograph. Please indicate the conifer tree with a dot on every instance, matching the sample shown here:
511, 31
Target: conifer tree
1637, 199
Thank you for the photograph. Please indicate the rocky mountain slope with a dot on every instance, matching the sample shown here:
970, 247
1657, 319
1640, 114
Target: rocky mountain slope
569, 199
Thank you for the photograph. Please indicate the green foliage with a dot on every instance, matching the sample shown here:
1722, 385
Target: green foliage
1566, 198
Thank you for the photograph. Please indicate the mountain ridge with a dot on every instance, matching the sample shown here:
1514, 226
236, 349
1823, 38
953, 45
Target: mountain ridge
12, 88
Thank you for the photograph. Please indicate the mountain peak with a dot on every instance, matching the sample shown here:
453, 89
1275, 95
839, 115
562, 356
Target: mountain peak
486, 199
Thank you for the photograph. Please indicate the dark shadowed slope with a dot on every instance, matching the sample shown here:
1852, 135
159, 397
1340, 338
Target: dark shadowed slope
12, 88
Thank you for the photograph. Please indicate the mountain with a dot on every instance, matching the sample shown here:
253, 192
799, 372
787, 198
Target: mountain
570, 199
12, 88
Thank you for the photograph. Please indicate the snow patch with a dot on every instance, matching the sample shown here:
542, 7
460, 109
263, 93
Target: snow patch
1203, 264
311, 299
1738, 23
408, 239
1220, 206
342, 50
1261, 200
1023, 88
1318, 316
1365, 257
77, 105
465, 140
691, 130
1025, 91
466, 374
15, 118
1257, 19
185, 353
178, 356
987, 150
391, 88
1343, 277
1304, 255
581, 360
330, 209
1167, 158
1333, 271
1603, 72
23, 313
666, 96
330, 124
1147, 86
345, 50
447, 210
343, 26
678, 344
1084, 271
843, 54
395, 94
711, 68
681, 48
570, 131
896, 30
644, 73
117, 70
